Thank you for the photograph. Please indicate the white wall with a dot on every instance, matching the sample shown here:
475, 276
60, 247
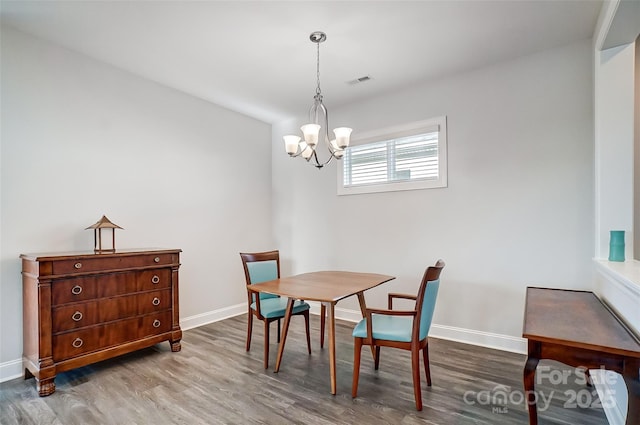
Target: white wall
81, 139
614, 94
518, 210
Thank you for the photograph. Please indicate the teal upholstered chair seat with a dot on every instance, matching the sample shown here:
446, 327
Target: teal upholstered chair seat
391, 328
262, 267
275, 307
404, 329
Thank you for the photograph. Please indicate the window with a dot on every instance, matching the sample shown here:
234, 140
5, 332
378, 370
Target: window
411, 156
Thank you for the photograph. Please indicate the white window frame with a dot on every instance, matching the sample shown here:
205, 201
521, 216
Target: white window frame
410, 129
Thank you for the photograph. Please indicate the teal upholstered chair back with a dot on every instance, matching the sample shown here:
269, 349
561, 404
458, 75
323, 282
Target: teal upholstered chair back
261, 267
426, 299
262, 271
428, 306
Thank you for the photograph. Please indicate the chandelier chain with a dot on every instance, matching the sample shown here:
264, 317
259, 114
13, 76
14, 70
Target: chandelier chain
318, 68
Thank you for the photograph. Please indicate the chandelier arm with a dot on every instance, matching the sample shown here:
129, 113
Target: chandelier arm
315, 159
325, 113
313, 111
295, 155
318, 164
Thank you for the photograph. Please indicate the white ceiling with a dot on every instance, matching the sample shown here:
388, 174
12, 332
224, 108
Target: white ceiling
256, 58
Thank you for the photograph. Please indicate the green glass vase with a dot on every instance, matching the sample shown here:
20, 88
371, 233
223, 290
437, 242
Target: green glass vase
616, 245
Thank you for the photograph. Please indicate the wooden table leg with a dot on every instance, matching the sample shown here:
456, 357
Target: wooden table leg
332, 345
285, 330
529, 380
631, 378
363, 306
323, 315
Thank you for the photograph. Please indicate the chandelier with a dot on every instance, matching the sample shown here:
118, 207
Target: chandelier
318, 126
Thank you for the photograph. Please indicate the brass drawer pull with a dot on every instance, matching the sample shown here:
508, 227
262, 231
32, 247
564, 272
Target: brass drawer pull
76, 290
77, 343
78, 265
156, 260
156, 323
77, 316
155, 279
156, 301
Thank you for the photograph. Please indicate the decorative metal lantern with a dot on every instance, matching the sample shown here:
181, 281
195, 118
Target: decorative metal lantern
103, 223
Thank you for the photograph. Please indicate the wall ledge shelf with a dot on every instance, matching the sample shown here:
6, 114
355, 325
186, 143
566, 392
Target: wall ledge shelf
618, 284
625, 273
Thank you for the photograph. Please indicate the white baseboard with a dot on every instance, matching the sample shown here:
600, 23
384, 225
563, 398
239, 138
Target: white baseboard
11, 370
612, 392
483, 339
212, 316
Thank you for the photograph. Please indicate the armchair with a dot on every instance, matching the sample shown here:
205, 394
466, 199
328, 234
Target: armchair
404, 329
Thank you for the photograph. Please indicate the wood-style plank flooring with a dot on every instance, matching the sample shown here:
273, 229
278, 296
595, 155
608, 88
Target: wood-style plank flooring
213, 380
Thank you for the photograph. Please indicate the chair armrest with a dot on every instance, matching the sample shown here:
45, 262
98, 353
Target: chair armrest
396, 295
370, 311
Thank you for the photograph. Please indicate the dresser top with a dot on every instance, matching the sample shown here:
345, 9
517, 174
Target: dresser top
48, 256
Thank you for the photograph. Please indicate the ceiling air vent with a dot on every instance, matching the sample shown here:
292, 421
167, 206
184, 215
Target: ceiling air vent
359, 80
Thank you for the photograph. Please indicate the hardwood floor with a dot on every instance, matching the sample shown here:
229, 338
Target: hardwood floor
214, 381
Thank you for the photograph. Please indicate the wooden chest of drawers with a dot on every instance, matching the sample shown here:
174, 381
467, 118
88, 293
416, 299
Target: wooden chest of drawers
81, 308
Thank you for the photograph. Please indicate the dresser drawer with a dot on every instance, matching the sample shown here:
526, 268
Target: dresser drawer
75, 343
108, 285
110, 309
73, 316
73, 290
90, 287
149, 280
79, 315
149, 302
153, 324
110, 262
72, 344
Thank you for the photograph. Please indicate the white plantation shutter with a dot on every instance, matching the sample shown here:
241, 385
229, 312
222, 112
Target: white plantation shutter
412, 160
365, 164
407, 158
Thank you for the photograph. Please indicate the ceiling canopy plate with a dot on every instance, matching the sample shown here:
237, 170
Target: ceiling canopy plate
318, 36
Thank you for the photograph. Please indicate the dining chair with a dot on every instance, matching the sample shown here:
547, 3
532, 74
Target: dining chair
404, 329
261, 267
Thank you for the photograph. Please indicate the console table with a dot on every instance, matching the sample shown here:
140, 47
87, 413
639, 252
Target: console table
578, 329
